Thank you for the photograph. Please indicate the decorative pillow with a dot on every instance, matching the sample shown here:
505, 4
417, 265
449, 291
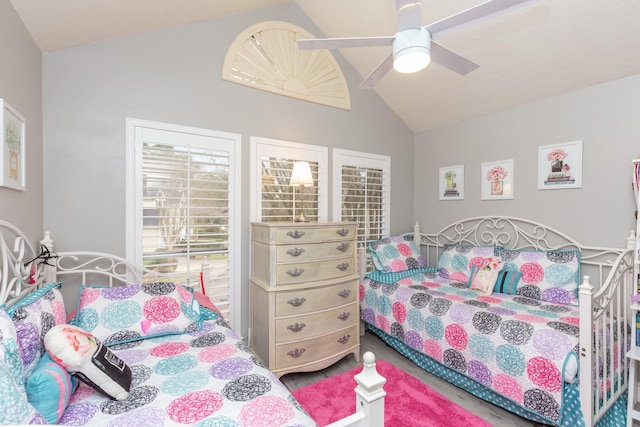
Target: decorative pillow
83, 355
9, 349
129, 313
551, 276
49, 388
394, 254
507, 282
484, 274
33, 316
456, 260
14, 406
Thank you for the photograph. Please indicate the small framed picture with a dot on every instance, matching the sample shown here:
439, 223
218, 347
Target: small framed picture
451, 183
560, 166
496, 182
12, 155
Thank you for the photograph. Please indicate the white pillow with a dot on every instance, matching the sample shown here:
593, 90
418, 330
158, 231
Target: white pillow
83, 355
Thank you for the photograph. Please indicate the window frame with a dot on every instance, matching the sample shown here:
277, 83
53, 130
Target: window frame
343, 157
260, 147
134, 200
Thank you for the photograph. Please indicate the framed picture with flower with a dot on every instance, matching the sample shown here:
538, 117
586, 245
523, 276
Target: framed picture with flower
451, 183
496, 182
560, 166
12, 154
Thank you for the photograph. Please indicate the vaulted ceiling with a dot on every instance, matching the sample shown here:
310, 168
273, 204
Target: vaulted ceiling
543, 49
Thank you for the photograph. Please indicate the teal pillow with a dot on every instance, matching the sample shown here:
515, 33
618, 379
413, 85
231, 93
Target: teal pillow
507, 282
49, 388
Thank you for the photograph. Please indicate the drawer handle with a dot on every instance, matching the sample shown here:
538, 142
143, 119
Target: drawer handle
343, 266
296, 327
344, 339
296, 302
296, 352
296, 234
343, 247
344, 316
295, 251
343, 231
295, 272
344, 293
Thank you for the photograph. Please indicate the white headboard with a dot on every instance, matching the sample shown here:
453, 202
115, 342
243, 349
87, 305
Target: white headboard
517, 233
20, 269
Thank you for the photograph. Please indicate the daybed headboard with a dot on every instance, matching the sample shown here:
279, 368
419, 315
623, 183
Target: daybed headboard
517, 233
23, 269
20, 271
96, 268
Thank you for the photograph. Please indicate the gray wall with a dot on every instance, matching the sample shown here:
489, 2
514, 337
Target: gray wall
21, 87
605, 117
173, 76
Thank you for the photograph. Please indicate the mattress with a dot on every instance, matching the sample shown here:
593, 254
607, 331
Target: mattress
517, 346
204, 378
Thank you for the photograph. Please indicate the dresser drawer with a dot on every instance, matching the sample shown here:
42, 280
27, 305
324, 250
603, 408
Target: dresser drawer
314, 349
305, 301
313, 251
287, 274
311, 234
302, 327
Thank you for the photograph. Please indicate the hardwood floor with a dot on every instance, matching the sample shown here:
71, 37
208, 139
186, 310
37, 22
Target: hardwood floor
370, 342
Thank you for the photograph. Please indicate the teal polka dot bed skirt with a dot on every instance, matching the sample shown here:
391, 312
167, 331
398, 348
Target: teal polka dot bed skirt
571, 412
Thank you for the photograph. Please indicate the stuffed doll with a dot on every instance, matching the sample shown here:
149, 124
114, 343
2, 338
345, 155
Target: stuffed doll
84, 356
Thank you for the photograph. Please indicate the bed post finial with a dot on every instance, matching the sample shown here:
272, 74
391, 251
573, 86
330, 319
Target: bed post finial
631, 240
47, 241
416, 234
369, 392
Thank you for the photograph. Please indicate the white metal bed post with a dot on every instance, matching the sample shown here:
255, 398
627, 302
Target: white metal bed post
416, 234
585, 297
49, 270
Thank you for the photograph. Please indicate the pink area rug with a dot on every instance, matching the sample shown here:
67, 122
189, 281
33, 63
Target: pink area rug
409, 402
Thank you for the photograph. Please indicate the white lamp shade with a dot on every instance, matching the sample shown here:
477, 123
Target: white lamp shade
301, 174
411, 50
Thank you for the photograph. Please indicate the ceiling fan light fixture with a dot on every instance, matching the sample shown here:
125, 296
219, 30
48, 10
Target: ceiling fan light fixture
411, 50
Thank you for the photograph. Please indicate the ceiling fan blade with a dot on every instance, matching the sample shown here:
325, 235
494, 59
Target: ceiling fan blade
381, 70
476, 13
409, 14
451, 60
335, 43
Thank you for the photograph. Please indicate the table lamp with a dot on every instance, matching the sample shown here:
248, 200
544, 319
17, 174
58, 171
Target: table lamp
301, 176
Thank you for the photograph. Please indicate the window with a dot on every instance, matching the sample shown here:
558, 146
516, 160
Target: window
272, 197
182, 207
266, 56
361, 194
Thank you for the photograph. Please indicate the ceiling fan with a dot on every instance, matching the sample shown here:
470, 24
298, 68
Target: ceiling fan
413, 46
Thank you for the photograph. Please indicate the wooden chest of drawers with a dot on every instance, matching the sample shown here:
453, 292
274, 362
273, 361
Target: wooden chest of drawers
304, 295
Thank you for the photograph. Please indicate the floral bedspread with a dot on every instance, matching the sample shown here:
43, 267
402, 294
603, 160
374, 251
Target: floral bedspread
512, 344
204, 378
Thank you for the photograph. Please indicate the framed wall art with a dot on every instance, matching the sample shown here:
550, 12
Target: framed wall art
560, 166
496, 182
12, 155
451, 183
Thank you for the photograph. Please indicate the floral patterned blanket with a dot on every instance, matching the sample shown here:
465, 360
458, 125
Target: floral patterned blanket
515, 345
203, 378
